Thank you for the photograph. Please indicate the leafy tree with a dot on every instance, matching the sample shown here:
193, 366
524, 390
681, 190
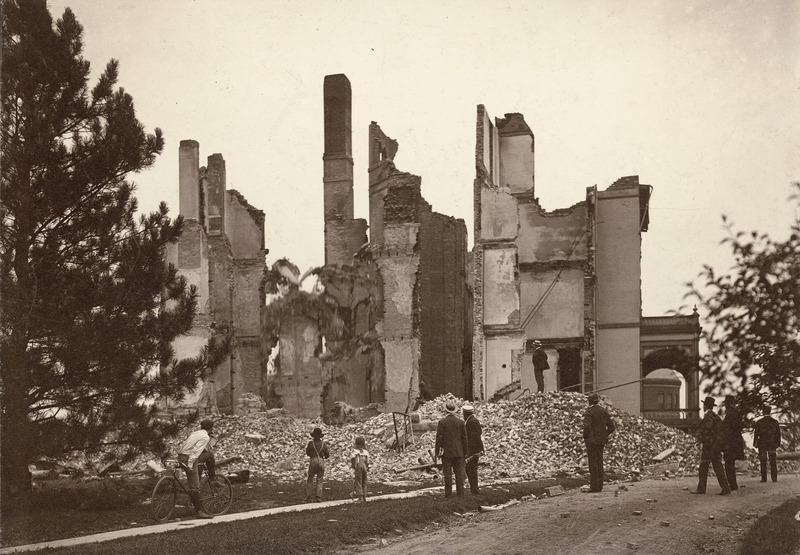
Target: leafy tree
754, 337
89, 308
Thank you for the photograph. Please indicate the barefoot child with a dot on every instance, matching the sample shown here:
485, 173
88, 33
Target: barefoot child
359, 460
317, 450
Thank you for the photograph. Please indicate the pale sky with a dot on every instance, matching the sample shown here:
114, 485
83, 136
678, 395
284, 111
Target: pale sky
701, 99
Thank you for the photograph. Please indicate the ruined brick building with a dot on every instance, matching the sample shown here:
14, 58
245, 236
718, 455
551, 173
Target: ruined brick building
402, 292
570, 278
221, 252
402, 300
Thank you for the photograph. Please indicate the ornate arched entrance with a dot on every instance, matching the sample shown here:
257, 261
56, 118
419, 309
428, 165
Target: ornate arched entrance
672, 342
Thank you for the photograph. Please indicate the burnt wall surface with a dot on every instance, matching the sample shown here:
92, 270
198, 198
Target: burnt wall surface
299, 379
444, 304
343, 239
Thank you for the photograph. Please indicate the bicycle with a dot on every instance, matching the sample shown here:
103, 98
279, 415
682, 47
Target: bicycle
216, 494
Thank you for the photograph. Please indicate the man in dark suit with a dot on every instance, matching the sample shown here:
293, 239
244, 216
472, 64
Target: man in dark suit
597, 426
539, 365
710, 454
451, 445
474, 446
731, 440
767, 439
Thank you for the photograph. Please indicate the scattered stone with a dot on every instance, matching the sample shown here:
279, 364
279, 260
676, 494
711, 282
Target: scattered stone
564, 515
530, 438
663, 523
637, 513
633, 545
554, 491
710, 517
254, 437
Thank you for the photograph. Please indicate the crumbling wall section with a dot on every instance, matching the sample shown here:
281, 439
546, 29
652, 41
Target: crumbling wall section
354, 362
443, 303
398, 261
503, 155
300, 375
344, 239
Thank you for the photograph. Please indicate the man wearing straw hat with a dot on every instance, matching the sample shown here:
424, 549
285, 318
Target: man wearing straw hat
451, 445
317, 452
474, 446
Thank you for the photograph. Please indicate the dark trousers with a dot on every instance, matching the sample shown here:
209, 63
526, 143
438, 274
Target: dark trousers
539, 375
730, 471
716, 462
471, 469
448, 465
773, 464
193, 473
595, 455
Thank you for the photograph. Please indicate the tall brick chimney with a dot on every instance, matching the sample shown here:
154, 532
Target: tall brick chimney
188, 180
337, 165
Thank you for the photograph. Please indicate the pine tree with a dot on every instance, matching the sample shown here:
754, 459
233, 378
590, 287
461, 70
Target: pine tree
89, 308
754, 315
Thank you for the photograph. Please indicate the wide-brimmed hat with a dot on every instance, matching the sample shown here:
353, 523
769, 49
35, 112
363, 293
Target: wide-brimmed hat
468, 408
729, 400
206, 424
537, 343
593, 397
450, 406
709, 402
317, 433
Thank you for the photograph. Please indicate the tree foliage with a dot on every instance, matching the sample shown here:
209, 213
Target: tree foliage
753, 313
89, 308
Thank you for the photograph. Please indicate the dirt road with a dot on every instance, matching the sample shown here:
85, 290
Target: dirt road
671, 521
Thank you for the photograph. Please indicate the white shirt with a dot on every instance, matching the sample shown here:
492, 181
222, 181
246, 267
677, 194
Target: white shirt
194, 445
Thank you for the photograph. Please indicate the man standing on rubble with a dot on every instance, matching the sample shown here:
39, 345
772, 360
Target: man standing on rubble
451, 445
710, 453
597, 426
539, 365
474, 446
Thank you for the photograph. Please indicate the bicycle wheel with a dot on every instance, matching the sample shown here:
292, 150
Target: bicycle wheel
216, 495
162, 503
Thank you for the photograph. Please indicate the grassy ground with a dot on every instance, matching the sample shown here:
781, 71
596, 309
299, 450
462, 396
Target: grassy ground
66, 509
322, 530
79, 509
775, 533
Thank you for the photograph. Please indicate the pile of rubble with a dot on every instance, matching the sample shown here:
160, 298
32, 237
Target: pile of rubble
533, 437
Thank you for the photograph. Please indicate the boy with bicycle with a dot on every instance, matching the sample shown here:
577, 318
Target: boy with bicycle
197, 449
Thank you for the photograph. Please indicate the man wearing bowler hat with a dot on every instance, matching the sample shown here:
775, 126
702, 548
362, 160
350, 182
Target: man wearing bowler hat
597, 426
451, 445
711, 454
539, 365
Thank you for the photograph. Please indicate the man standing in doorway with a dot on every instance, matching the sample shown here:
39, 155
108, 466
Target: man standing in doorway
539, 365
597, 426
451, 445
